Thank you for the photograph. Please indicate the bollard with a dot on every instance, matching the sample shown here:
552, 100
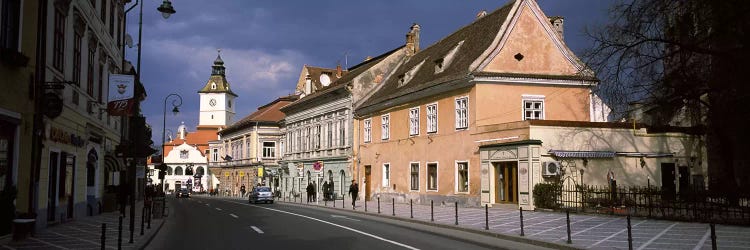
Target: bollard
104, 236
393, 206
456, 212
143, 218
334, 201
567, 219
486, 217
432, 211
713, 236
411, 208
365, 204
521, 212
119, 234
150, 214
343, 202
378, 204
630, 235
325, 202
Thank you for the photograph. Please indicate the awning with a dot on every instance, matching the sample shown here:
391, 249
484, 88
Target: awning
582, 154
112, 164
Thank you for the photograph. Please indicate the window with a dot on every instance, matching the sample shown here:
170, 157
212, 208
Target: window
432, 176
368, 130
414, 175
386, 174
462, 114
77, 42
215, 155
269, 149
342, 133
11, 18
329, 128
414, 121
178, 171
58, 49
213, 85
439, 65
101, 82
112, 19
317, 136
432, 118
462, 177
307, 139
385, 121
533, 109
248, 150
90, 80
103, 9
282, 148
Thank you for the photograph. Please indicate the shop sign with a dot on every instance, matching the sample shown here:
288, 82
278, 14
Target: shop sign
121, 92
61, 136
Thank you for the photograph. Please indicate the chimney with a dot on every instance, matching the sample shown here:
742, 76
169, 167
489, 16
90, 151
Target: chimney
338, 70
412, 40
481, 14
557, 23
308, 84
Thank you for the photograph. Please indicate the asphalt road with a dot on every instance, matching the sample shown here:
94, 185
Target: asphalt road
207, 223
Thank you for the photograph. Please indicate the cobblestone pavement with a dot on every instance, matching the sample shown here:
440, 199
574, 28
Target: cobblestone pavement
85, 233
587, 230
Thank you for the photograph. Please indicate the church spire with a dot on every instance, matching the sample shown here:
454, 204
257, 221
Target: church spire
218, 68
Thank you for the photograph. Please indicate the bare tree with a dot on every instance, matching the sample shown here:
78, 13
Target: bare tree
683, 55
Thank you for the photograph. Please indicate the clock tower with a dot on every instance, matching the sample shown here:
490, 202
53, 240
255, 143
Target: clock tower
216, 98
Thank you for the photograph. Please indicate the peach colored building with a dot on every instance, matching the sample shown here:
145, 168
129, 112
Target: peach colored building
478, 117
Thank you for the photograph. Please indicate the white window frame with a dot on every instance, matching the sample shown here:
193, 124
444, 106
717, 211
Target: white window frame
367, 124
272, 150
531, 98
386, 174
385, 125
414, 121
419, 176
434, 122
427, 176
468, 177
215, 154
461, 124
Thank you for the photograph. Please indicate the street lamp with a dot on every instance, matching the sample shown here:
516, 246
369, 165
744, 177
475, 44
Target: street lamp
176, 103
166, 9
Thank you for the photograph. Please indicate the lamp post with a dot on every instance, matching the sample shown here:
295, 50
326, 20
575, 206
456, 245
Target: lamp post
166, 9
176, 103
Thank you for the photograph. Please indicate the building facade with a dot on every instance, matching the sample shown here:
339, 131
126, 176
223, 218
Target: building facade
83, 46
19, 69
248, 151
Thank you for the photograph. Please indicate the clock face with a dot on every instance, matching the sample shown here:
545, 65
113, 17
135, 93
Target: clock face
212, 102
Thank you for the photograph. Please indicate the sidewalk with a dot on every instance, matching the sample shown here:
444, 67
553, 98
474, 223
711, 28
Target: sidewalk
85, 233
587, 231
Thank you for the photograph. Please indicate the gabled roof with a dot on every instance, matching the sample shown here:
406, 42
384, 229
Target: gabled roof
269, 113
476, 37
315, 73
353, 72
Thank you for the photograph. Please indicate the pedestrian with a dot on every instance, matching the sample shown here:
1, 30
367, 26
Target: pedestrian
309, 191
242, 190
314, 192
354, 191
325, 191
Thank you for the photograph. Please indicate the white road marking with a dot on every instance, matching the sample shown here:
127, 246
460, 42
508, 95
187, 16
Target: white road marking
554, 228
218, 209
235, 216
703, 240
614, 234
85, 240
657, 236
343, 217
36, 239
333, 224
257, 229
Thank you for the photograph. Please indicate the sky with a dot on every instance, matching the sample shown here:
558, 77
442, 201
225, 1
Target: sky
264, 44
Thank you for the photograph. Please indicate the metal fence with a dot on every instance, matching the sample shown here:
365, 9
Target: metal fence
650, 201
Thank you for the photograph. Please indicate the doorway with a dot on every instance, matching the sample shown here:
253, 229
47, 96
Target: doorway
506, 183
368, 170
667, 181
54, 157
684, 179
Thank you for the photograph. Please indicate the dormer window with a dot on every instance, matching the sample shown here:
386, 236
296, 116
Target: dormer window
406, 77
213, 85
443, 63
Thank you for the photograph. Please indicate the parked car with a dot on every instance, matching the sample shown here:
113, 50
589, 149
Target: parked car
261, 194
182, 193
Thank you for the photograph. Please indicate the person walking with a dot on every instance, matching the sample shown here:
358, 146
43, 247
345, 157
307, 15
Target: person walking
354, 191
314, 192
309, 191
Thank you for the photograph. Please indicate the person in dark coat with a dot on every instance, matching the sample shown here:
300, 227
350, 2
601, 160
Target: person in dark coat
309, 190
354, 191
314, 192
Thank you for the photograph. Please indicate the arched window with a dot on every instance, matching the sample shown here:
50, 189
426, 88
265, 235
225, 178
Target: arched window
308, 177
342, 175
200, 171
330, 176
169, 170
178, 171
91, 163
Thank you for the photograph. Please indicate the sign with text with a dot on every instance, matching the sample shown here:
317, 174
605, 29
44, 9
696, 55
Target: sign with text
121, 92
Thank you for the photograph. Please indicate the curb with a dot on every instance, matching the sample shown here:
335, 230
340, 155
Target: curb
469, 230
150, 235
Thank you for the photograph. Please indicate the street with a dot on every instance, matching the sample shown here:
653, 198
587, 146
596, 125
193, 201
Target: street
209, 223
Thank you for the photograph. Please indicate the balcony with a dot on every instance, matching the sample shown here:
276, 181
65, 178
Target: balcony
233, 163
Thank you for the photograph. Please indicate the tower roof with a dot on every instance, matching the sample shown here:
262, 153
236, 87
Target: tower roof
217, 82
